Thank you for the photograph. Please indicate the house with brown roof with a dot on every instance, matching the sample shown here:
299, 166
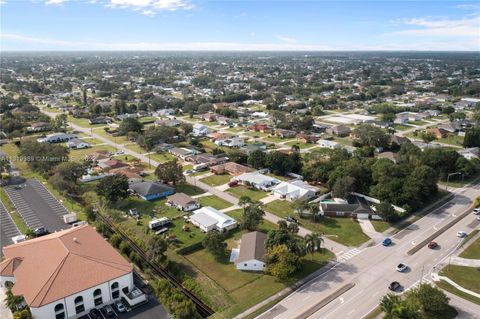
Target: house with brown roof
67, 273
258, 127
98, 155
339, 130
230, 168
438, 132
306, 138
285, 133
210, 117
111, 164
251, 255
183, 202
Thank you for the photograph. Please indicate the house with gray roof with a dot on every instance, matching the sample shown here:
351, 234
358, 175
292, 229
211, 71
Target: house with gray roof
251, 254
151, 190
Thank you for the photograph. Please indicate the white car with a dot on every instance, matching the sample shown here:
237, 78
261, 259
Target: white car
461, 234
119, 152
476, 211
401, 267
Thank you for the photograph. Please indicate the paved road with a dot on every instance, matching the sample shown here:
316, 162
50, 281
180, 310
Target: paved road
8, 229
373, 268
328, 243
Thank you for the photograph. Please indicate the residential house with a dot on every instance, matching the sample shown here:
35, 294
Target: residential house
183, 202
339, 130
98, 155
207, 159
291, 190
182, 153
285, 133
151, 190
219, 106
388, 155
306, 138
208, 219
77, 144
337, 207
38, 127
398, 140
200, 130
223, 120
169, 123
210, 117
134, 174
258, 127
327, 144
231, 168
437, 132
231, 142
100, 120
257, 180
109, 164
68, 273
470, 153
56, 138
251, 254
249, 148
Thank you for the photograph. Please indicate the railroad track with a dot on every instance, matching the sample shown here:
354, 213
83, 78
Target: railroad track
204, 310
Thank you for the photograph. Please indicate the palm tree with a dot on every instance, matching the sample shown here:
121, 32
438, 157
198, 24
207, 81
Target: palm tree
314, 210
313, 242
389, 303
299, 205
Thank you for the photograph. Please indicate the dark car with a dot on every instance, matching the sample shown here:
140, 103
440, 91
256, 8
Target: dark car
232, 183
95, 314
432, 245
394, 286
291, 219
41, 231
108, 311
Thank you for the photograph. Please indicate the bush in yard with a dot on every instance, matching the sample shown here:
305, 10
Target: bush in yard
176, 303
214, 243
281, 262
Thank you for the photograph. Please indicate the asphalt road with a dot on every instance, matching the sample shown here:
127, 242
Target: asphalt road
8, 229
373, 268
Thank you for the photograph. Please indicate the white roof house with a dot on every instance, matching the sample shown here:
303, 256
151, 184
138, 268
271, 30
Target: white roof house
77, 144
231, 142
327, 144
200, 130
295, 189
56, 137
208, 219
257, 180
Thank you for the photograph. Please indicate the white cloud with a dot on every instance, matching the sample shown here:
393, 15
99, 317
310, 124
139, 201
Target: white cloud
284, 38
55, 2
252, 34
464, 27
151, 7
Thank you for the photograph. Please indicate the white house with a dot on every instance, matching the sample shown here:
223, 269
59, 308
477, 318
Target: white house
470, 153
251, 255
257, 180
57, 138
77, 144
294, 190
67, 273
183, 202
208, 219
327, 144
231, 142
200, 130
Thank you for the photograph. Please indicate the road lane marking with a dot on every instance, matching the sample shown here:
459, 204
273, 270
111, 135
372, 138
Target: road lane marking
341, 300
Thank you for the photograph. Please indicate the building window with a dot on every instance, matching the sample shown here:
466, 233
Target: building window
245, 265
79, 306
97, 297
115, 290
59, 311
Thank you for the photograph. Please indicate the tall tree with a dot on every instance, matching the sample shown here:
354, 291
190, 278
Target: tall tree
170, 172
313, 243
281, 262
113, 187
214, 243
343, 186
129, 125
252, 215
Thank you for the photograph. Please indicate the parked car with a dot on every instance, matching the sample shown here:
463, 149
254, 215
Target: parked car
108, 310
41, 231
119, 152
387, 242
95, 314
461, 234
291, 219
120, 306
232, 183
134, 213
394, 286
188, 172
476, 211
401, 267
432, 245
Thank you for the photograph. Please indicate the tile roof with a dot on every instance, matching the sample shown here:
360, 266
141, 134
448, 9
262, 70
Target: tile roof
64, 263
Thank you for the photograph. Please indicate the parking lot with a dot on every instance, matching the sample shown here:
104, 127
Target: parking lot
37, 206
8, 229
152, 309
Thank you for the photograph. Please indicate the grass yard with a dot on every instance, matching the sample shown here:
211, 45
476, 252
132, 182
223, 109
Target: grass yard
245, 289
188, 189
472, 251
214, 201
92, 140
452, 140
401, 127
257, 134
79, 155
136, 148
162, 157
277, 139
216, 180
126, 158
343, 140
147, 119
346, 231
83, 122
467, 277
280, 178
264, 227
239, 191
115, 139
380, 225
418, 123
235, 129
300, 145
141, 230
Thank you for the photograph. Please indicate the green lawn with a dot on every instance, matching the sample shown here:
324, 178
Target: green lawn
446, 286
188, 189
92, 140
257, 134
452, 140
245, 289
401, 127
418, 123
115, 139
136, 148
216, 180
472, 251
346, 231
147, 119
300, 145
239, 191
141, 230
162, 157
79, 155
83, 122
277, 139
467, 277
214, 201
265, 227
380, 225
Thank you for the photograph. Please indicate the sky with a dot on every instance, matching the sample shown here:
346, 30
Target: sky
248, 25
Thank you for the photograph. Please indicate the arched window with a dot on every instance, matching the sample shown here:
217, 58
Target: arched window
59, 311
79, 306
97, 297
115, 290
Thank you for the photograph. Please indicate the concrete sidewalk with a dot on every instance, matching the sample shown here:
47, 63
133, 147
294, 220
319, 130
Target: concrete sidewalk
369, 230
465, 262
